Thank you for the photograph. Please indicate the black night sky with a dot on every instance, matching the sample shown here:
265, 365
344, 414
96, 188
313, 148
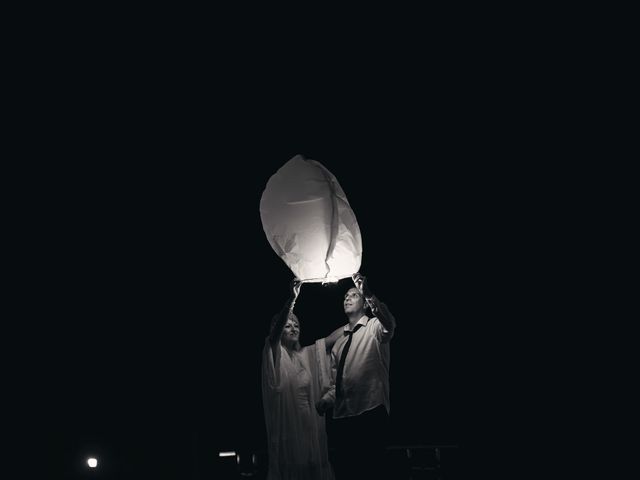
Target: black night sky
163, 285
159, 283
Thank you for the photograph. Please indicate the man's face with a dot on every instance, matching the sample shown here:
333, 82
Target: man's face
353, 301
291, 329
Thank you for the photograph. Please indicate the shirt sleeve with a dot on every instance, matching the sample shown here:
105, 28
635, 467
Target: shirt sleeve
382, 334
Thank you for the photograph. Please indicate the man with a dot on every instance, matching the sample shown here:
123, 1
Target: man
359, 392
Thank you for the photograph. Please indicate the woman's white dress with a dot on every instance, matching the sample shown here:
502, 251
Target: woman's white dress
296, 436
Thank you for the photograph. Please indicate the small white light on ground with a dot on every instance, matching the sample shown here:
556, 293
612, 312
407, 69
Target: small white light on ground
227, 454
92, 462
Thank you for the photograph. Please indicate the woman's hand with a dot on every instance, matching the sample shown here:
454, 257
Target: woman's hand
295, 286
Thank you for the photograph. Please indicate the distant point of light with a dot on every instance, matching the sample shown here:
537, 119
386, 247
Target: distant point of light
92, 462
227, 454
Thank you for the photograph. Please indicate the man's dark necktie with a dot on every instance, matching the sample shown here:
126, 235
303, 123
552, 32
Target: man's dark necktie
343, 356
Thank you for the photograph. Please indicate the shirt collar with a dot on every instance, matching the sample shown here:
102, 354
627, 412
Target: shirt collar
363, 321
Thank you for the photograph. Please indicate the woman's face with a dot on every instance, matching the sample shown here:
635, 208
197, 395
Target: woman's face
291, 331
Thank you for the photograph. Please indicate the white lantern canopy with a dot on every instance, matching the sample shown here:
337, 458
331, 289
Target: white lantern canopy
309, 223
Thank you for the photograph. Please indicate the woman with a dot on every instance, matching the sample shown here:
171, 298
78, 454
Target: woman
293, 379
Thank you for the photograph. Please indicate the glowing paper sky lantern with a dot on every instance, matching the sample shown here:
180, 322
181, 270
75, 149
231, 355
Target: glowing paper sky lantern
309, 223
